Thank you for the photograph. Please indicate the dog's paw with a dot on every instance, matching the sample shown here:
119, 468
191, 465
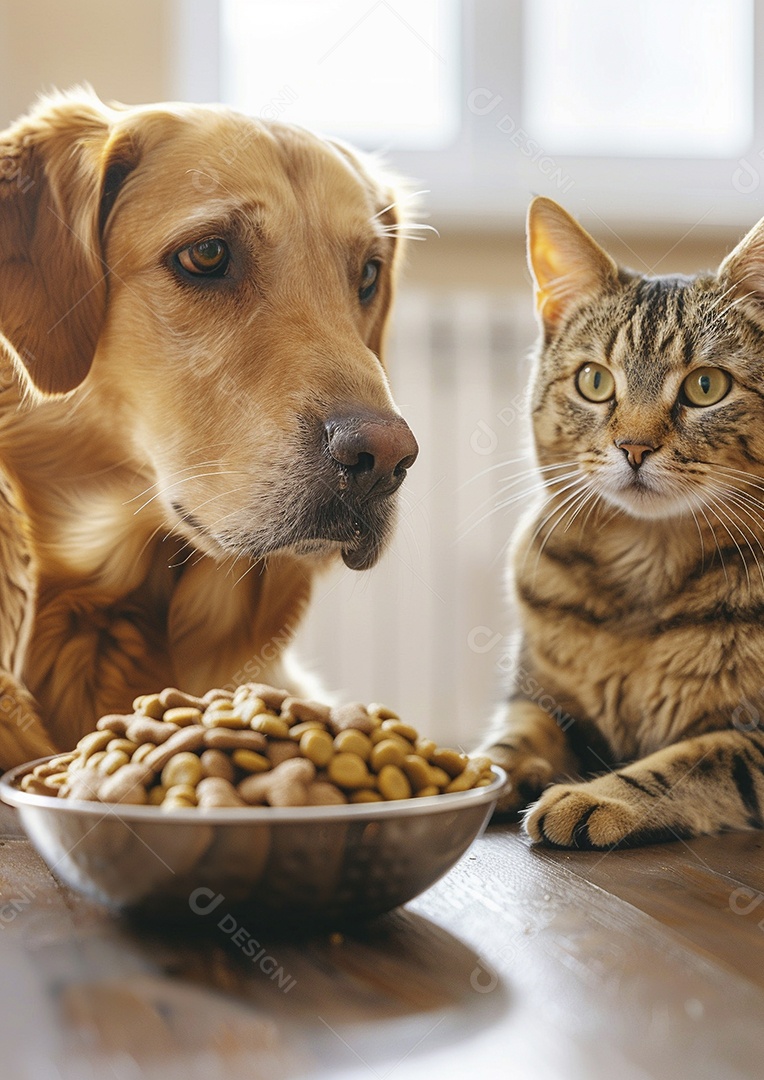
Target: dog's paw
575, 816
527, 776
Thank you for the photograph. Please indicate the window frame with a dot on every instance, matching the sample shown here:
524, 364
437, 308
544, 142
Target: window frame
487, 176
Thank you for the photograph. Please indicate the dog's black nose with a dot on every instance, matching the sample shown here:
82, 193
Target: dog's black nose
374, 451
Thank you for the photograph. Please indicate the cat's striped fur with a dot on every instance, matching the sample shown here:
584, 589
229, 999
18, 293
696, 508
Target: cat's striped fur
639, 573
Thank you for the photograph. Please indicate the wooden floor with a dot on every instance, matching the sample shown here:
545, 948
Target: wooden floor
520, 963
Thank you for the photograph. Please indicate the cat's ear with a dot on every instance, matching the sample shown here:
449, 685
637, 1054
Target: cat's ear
567, 265
743, 269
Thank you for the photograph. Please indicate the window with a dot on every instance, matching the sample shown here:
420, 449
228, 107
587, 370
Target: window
639, 112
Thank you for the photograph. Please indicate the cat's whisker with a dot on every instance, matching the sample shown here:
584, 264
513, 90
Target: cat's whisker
500, 503
719, 512
515, 461
558, 512
747, 531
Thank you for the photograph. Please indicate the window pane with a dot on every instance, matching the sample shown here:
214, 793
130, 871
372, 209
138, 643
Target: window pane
655, 78
377, 73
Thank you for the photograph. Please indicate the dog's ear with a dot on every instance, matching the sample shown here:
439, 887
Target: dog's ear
58, 178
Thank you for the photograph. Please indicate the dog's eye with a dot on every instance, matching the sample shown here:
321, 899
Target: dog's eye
369, 281
208, 258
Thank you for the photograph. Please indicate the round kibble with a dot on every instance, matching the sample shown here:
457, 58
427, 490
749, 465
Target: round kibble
366, 795
348, 771
397, 727
254, 746
297, 731
112, 760
92, 743
387, 752
251, 761
451, 761
392, 783
271, 725
150, 705
317, 746
183, 768
416, 769
353, 741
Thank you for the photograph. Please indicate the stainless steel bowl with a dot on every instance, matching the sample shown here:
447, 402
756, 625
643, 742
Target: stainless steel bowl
283, 864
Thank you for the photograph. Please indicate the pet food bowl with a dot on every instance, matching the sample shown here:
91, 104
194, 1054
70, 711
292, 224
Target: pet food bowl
291, 864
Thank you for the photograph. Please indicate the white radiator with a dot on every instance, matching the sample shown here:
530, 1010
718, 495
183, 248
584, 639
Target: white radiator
424, 630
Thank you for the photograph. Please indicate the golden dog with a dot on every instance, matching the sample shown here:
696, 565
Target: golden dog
194, 414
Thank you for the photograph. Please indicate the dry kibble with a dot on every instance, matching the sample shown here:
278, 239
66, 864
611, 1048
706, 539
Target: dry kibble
217, 718
183, 716
297, 731
187, 738
271, 725
387, 752
127, 745
269, 695
183, 768
348, 771
322, 793
255, 746
353, 741
114, 722
286, 785
366, 795
281, 750
416, 769
92, 743
214, 791
112, 760
127, 785
146, 729
217, 765
224, 739
382, 712
317, 746
392, 783
172, 698
425, 748
295, 709
142, 752
217, 695
397, 727
353, 715
251, 761
451, 761
150, 705
36, 786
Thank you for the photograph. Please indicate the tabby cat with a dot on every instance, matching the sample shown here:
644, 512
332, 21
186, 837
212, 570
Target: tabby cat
640, 574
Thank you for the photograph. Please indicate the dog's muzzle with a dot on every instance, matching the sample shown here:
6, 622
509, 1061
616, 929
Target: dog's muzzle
369, 455
372, 454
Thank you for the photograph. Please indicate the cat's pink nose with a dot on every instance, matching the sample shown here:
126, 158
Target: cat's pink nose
635, 452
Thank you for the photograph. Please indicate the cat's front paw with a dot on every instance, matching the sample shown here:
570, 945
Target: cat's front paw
575, 816
528, 775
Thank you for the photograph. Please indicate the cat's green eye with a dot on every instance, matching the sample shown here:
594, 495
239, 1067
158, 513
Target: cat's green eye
705, 386
595, 383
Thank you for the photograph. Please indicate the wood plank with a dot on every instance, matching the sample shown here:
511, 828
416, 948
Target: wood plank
515, 964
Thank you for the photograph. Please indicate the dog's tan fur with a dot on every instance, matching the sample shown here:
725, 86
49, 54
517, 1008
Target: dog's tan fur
125, 389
